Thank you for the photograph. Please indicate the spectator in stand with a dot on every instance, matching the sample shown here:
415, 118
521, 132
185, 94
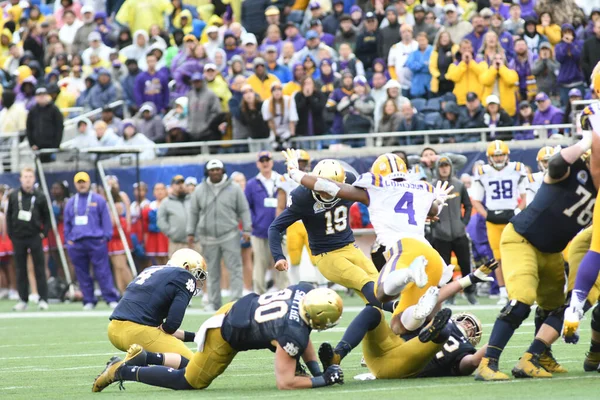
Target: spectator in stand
503, 36
69, 29
454, 25
411, 122
152, 86
568, 54
298, 74
292, 34
549, 29
422, 25
281, 72
216, 227
472, 115
261, 80
499, 8
310, 104
262, 201
450, 118
128, 85
273, 39
149, 123
334, 101
496, 117
574, 95
399, 54
280, 113
134, 139
203, 107
379, 94
418, 64
173, 215
13, 116
80, 41
515, 25
325, 37
216, 84
347, 61
251, 117
138, 49
358, 108
313, 47
441, 58
332, 21
590, 54
391, 117
44, 125
523, 64
546, 113
367, 41
142, 15
96, 48
524, 118
433, 6
250, 46
531, 35
108, 116
389, 35
178, 113
563, 11
501, 78
477, 35
465, 72
527, 8
103, 92
106, 137
545, 70
178, 134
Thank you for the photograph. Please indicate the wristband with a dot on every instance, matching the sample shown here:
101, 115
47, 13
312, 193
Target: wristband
465, 282
318, 382
188, 336
314, 368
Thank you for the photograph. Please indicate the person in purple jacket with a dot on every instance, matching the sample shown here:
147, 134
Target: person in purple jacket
292, 33
527, 8
498, 7
87, 230
152, 86
568, 54
262, 199
546, 114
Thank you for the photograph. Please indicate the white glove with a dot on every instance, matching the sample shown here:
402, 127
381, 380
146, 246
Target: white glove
291, 159
442, 190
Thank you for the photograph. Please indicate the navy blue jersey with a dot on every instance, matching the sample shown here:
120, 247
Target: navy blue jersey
447, 361
254, 321
149, 297
558, 211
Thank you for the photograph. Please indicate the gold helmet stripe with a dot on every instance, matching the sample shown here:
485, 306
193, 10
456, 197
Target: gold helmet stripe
392, 162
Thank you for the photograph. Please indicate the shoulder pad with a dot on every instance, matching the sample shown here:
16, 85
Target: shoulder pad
368, 180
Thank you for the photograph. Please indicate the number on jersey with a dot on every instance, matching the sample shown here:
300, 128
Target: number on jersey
272, 306
450, 346
586, 213
146, 274
405, 206
501, 189
336, 220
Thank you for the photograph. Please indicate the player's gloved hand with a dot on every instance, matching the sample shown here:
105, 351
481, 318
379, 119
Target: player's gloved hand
333, 374
481, 274
442, 190
291, 159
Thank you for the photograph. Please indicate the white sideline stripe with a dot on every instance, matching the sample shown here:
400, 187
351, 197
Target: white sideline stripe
50, 344
107, 313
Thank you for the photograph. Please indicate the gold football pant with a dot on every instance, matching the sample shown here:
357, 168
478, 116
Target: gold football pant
388, 356
123, 334
494, 232
530, 274
297, 239
348, 267
579, 247
213, 360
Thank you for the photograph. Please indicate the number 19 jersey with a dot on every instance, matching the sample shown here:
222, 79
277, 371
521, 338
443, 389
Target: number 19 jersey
501, 189
397, 209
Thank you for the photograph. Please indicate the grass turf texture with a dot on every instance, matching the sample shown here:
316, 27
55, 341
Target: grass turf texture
58, 356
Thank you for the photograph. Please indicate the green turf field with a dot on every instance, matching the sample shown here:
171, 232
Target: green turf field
57, 355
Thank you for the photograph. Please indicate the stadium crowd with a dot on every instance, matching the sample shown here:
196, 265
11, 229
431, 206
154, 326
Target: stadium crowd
198, 71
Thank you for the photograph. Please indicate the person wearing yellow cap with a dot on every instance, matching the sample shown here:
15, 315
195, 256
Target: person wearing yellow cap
88, 228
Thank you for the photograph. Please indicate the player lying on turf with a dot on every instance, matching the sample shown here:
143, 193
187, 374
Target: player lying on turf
153, 306
279, 321
405, 356
398, 211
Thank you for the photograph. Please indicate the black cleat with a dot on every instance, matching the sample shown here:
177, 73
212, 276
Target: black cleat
328, 356
436, 326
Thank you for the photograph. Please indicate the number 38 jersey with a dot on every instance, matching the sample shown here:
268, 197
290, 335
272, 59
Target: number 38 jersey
256, 322
500, 189
558, 211
397, 209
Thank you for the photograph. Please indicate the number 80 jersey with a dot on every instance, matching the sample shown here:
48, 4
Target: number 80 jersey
501, 189
397, 209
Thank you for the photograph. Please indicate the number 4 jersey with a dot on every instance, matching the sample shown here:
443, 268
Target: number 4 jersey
397, 209
501, 189
558, 211
257, 322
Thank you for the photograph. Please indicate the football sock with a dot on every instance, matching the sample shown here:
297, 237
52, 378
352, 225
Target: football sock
409, 321
155, 358
368, 290
368, 319
501, 334
595, 347
538, 346
585, 279
294, 274
396, 281
156, 376
389, 306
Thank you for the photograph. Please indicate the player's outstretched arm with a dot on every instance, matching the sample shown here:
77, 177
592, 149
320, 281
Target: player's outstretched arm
286, 379
559, 165
278, 226
470, 363
481, 274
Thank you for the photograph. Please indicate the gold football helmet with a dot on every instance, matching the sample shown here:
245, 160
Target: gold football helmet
191, 261
390, 166
543, 156
303, 160
470, 326
497, 154
328, 169
321, 308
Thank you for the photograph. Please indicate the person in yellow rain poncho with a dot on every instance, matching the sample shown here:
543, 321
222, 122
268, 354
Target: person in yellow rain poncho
142, 14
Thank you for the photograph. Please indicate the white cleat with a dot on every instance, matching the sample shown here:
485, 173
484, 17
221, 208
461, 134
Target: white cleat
417, 268
113, 304
20, 306
42, 305
572, 319
426, 303
89, 306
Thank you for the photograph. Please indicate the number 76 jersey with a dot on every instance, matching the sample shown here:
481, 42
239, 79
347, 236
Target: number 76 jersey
397, 210
501, 189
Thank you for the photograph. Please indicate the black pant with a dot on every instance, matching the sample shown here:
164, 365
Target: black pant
461, 249
378, 258
20, 247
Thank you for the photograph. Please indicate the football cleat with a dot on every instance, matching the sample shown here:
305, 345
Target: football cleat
328, 356
20, 306
110, 373
136, 356
488, 371
417, 269
571, 323
426, 303
436, 326
591, 362
549, 363
529, 367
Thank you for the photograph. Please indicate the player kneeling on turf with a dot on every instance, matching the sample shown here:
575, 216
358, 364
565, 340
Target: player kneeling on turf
279, 321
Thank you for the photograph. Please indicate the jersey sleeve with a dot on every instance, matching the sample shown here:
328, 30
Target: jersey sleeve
367, 180
185, 282
293, 341
298, 201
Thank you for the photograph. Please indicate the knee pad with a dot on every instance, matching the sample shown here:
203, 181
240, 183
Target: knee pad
596, 319
515, 313
370, 316
555, 318
540, 317
368, 290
